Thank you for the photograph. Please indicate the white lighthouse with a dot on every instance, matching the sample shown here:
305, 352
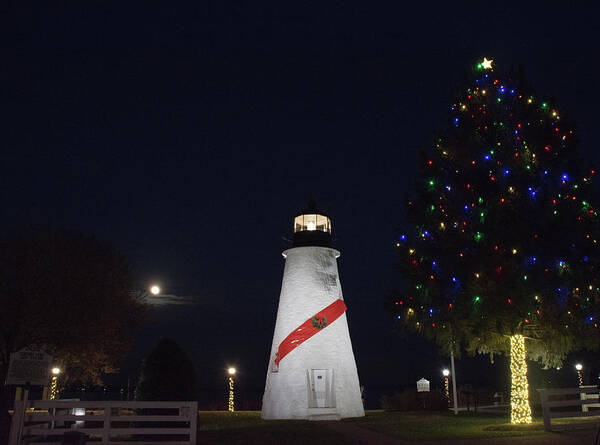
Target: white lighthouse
312, 373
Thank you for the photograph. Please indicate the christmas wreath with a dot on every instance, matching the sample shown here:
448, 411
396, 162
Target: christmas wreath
319, 322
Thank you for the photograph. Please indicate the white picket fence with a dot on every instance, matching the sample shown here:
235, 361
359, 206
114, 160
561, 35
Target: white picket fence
562, 398
592, 395
114, 422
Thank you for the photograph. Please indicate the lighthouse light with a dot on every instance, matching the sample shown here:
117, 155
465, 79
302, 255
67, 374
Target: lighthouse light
311, 223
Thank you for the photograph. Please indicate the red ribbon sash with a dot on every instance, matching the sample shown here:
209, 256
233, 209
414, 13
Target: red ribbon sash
310, 327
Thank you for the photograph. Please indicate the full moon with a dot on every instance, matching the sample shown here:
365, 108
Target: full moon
155, 290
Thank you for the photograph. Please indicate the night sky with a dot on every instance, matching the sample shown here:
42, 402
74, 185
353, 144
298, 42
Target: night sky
189, 135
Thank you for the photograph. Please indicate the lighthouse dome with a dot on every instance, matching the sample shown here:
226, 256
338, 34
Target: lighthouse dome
312, 227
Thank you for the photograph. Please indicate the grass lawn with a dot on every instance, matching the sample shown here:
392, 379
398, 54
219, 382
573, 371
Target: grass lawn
423, 426
246, 427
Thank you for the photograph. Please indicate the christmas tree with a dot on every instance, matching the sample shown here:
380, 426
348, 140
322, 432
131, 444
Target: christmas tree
503, 252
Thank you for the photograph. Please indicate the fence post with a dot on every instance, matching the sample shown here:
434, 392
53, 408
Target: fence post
53, 423
193, 422
15, 424
545, 409
107, 415
583, 396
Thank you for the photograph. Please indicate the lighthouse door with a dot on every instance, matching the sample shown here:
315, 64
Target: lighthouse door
320, 387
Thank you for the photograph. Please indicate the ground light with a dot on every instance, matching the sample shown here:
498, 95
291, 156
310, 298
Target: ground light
446, 374
155, 290
579, 367
54, 383
520, 411
231, 372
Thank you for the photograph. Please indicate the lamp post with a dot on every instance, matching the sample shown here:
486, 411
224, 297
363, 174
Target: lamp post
446, 374
579, 367
454, 394
231, 372
54, 384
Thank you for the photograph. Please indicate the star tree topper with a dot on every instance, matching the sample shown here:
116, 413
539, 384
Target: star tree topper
487, 64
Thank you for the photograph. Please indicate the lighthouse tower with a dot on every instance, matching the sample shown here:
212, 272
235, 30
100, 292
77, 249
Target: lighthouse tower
312, 373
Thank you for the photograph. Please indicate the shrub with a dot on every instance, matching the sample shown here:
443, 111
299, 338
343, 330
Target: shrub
411, 400
167, 374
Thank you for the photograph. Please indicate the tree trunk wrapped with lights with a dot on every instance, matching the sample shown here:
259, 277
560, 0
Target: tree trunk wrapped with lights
504, 238
520, 411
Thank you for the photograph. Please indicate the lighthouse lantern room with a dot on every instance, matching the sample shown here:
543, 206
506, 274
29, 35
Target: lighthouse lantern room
312, 228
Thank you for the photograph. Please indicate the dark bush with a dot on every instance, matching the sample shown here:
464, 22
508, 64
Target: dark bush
167, 374
411, 400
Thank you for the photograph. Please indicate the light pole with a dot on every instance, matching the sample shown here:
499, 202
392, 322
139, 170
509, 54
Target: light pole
446, 374
454, 395
231, 372
54, 383
579, 367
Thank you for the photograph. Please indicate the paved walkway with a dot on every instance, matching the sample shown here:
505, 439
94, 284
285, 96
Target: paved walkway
362, 436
